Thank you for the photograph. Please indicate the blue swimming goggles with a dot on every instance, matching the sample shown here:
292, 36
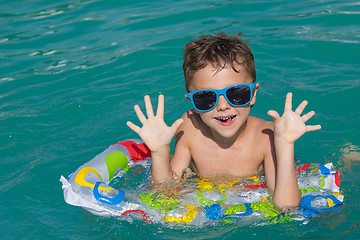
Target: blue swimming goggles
206, 99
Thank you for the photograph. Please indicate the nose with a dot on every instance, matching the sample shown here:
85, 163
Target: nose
222, 104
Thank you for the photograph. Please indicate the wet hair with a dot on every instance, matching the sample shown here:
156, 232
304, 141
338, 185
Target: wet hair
221, 51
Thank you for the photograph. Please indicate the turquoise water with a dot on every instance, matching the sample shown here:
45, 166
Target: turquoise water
72, 70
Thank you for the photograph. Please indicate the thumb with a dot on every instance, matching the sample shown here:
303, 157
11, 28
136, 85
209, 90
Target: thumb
176, 124
273, 114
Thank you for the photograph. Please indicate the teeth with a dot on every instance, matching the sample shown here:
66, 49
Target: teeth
224, 119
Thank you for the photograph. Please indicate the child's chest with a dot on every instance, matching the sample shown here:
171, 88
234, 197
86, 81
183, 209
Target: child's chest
242, 161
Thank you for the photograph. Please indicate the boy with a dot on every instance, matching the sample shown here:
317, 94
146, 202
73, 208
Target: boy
219, 136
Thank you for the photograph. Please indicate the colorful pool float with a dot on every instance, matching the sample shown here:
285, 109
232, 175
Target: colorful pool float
93, 186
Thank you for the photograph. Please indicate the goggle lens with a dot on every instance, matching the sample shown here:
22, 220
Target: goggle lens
237, 96
204, 100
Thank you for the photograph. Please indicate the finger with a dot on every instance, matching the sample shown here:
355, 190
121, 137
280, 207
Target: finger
160, 108
148, 106
274, 114
308, 116
301, 107
176, 124
133, 127
139, 114
288, 102
313, 128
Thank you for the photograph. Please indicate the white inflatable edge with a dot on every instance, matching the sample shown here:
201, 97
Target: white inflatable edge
72, 198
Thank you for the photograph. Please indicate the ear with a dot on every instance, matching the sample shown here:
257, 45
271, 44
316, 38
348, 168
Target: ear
253, 100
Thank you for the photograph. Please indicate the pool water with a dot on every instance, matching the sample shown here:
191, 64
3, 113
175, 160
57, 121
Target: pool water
71, 72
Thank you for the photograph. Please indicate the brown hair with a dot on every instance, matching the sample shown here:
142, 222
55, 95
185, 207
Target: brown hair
220, 50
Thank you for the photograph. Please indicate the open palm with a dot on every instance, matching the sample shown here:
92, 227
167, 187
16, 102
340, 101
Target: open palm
154, 132
291, 125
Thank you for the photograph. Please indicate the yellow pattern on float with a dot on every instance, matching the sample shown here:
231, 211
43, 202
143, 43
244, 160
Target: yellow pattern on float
186, 218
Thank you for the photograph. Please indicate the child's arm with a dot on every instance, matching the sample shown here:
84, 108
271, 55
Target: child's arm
157, 136
287, 129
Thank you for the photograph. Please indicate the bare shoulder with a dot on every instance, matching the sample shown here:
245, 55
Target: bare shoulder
192, 120
260, 124
187, 128
264, 137
261, 128
182, 155
193, 128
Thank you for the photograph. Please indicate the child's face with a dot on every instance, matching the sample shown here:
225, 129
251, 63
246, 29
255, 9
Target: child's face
224, 121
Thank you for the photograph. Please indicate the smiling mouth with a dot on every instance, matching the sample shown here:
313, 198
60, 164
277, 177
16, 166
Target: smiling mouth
225, 119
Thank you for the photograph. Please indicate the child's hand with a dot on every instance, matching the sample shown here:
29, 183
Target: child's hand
154, 132
291, 126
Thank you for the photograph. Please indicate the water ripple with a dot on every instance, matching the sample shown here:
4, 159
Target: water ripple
72, 71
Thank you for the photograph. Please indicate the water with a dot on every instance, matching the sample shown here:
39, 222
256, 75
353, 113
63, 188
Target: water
72, 70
